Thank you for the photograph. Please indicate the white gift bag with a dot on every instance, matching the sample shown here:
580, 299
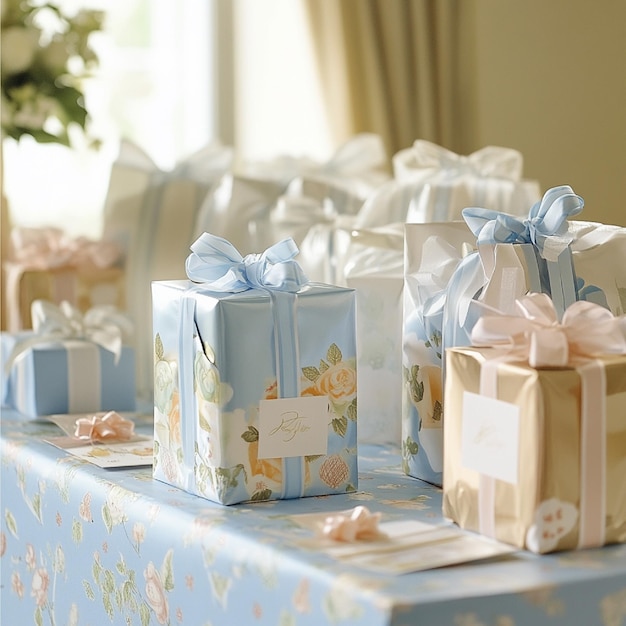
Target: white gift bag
374, 262
432, 254
599, 255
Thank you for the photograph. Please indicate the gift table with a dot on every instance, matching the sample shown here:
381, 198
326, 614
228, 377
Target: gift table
85, 545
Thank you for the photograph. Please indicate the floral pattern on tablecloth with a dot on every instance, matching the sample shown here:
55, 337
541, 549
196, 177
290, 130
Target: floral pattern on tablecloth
81, 545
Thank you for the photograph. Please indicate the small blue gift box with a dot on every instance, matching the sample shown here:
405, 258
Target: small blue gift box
255, 378
55, 370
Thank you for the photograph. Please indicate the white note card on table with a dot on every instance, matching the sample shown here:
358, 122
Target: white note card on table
490, 437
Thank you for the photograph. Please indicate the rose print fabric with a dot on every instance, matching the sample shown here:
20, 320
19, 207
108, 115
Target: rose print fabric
84, 545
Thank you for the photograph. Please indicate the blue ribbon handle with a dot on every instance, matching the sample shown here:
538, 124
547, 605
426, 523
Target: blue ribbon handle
459, 316
546, 228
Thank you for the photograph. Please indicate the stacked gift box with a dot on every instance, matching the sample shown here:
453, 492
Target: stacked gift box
408, 285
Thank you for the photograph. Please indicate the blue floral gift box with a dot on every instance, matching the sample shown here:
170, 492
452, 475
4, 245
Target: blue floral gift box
254, 378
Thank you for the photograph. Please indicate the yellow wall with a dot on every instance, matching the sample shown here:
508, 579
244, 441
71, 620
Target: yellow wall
548, 77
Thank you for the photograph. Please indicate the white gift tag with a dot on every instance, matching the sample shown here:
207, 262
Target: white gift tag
490, 437
293, 427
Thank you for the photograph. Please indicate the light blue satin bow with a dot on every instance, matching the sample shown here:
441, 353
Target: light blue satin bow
215, 262
546, 225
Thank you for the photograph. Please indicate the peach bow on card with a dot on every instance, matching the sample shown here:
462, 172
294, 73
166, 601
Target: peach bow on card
107, 427
359, 525
586, 330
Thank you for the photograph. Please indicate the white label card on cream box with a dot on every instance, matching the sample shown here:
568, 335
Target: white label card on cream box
293, 427
490, 437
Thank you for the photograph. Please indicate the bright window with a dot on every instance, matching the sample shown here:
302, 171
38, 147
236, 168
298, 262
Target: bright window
161, 86
154, 88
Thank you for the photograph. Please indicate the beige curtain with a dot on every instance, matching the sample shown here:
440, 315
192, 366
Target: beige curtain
5, 231
390, 67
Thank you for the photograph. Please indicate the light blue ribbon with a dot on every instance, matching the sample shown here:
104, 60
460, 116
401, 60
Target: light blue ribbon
459, 316
187, 338
546, 229
217, 264
546, 219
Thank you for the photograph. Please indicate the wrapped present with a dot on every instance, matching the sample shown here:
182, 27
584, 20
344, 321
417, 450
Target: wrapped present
151, 214
349, 177
325, 247
255, 378
432, 253
69, 363
432, 184
535, 435
239, 209
47, 264
374, 262
448, 182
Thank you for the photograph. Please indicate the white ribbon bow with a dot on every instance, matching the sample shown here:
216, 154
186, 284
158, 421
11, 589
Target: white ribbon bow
490, 161
586, 330
102, 325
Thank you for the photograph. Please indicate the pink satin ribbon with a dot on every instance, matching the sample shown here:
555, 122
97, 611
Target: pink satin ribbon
48, 248
587, 330
107, 427
359, 525
51, 249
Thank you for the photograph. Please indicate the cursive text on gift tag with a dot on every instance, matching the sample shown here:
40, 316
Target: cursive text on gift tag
490, 437
293, 427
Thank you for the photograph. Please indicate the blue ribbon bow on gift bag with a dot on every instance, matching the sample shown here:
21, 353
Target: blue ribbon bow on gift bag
547, 251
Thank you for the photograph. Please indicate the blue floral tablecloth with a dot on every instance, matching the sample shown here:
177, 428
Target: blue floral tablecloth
90, 546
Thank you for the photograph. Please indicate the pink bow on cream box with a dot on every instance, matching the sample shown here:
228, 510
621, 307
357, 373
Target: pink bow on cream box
46, 264
535, 435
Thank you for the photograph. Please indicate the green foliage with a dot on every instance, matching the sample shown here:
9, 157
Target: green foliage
334, 356
159, 350
250, 435
340, 425
310, 372
44, 67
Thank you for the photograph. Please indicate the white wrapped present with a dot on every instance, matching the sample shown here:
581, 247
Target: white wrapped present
432, 184
152, 215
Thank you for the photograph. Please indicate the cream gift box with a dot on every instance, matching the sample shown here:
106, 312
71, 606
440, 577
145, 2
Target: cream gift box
46, 264
255, 378
69, 363
535, 436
